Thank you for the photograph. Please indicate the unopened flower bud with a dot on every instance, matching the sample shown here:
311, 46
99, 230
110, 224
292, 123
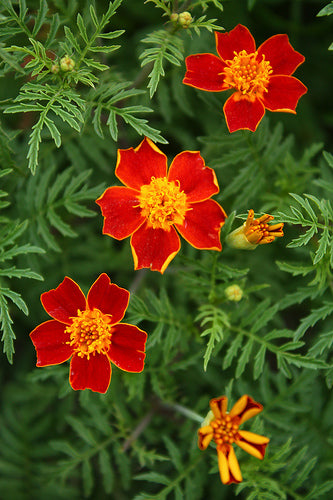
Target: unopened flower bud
254, 232
67, 63
234, 293
174, 17
185, 19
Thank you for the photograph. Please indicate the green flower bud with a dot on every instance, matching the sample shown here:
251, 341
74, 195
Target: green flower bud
185, 19
234, 293
67, 63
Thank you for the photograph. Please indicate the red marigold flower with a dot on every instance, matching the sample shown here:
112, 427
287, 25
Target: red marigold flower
260, 77
255, 232
223, 428
154, 202
88, 330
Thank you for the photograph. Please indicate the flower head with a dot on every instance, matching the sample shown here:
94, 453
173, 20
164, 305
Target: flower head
261, 78
234, 293
155, 202
185, 19
88, 330
254, 232
223, 428
67, 63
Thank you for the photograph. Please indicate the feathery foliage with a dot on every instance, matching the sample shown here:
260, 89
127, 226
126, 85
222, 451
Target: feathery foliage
79, 81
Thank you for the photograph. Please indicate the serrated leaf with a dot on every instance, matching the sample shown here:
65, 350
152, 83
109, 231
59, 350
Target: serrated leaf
154, 477
310, 320
82, 28
244, 358
71, 38
106, 470
259, 362
111, 34
81, 430
174, 453
87, 477
55, 134
41, 17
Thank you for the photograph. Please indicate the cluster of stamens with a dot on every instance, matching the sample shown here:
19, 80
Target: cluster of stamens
90, 332
258, 232
224, 430
248, 75
162, 203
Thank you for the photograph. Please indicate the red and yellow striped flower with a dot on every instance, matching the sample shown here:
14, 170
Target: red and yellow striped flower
155, 202
261, 78
88, 330
223, 428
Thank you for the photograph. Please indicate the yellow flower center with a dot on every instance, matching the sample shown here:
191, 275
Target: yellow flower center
248, 75
90, 332
162, 203
224, 430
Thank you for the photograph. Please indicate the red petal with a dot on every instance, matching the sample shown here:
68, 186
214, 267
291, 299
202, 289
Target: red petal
196, 180
130, 336
235, 40
280, 54
202, 225
108, 298
205, 72
127, 347
135, 167
120, 207
93, 373
63, 302
242, 113
154, 248
50, 341
283, 93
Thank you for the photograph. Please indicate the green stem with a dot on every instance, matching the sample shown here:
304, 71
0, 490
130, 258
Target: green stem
184, 411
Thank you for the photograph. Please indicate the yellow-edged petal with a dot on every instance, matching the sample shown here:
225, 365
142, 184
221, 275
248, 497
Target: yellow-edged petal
223, 467
245, 408
219, 406
254, 438
204, 441
239, 406
205, 435
234, 466
253, 450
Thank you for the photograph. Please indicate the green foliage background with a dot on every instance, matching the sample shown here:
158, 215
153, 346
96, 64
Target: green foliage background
59, 134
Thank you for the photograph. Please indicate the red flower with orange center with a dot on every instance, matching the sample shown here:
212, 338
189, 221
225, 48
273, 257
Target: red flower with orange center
260, 77
88, 331
223, 428
155, 202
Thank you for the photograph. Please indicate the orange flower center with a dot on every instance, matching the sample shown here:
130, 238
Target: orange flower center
224, 430
90, 332
162, 203
248, 75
